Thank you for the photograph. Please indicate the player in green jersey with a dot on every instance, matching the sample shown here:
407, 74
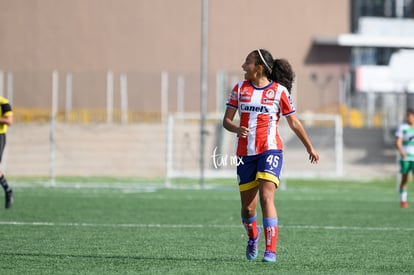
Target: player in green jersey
405, 146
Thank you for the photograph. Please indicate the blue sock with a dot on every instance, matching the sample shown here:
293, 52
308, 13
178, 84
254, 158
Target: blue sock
271, 232
270, 222
250, 226
249, 220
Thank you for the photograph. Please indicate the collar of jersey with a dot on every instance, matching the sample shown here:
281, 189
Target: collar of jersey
262, 88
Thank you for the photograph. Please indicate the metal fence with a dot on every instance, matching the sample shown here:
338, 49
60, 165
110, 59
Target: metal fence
141, 96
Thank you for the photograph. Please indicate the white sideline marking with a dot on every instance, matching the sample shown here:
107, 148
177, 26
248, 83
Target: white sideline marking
315, 227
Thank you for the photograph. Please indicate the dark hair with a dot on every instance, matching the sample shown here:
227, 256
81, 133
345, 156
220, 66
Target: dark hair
410, 111
278, 70
282, 73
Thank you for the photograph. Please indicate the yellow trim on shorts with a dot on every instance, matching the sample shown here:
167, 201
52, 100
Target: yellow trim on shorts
269, 177
255, 183
248, 185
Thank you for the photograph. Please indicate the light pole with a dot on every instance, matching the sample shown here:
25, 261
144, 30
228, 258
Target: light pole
204, 79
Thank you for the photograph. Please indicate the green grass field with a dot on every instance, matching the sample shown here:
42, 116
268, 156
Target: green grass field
325, 228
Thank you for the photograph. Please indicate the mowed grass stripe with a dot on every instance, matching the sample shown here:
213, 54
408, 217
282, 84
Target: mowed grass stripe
208, 226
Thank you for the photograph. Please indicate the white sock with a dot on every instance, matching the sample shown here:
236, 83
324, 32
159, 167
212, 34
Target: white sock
403, 195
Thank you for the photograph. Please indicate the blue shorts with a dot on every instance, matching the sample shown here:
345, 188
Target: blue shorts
266, 166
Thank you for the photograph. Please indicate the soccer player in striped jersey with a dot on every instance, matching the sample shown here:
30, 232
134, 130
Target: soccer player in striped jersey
405, 145
261, 99
6, 119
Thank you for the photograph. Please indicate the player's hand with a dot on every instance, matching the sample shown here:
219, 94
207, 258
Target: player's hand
242, 132
313, 156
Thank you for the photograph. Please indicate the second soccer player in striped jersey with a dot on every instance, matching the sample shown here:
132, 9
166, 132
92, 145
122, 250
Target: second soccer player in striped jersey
261, 99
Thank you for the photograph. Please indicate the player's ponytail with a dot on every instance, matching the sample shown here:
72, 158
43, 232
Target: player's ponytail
282, 73
278, 70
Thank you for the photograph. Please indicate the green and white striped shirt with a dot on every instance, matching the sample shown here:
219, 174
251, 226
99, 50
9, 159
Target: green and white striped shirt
406, 132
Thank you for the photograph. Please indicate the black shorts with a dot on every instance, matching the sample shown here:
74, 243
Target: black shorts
2, 144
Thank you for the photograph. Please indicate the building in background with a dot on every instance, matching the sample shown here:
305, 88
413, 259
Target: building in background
381, 62
141, 39
147, 54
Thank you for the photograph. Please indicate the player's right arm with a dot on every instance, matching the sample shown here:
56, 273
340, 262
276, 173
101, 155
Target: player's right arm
8, 120
6, 111
229, 124
399, 140
232, 105
398, 143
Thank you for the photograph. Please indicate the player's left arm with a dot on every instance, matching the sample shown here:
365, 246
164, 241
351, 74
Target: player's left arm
297, 128
288, 110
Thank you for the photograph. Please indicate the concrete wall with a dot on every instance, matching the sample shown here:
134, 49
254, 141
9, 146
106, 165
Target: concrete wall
140, 151
92, 150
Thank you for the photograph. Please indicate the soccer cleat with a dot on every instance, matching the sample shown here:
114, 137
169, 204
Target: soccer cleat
269, 256
9, 199
252, 244
404, 204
